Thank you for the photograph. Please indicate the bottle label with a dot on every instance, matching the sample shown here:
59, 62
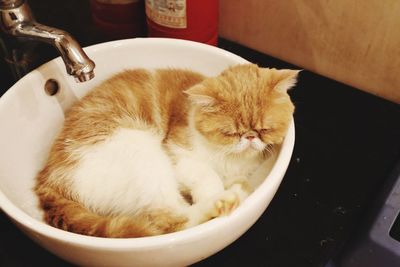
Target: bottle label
168, 13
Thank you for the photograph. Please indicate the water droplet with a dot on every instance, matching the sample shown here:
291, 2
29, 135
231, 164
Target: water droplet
340, 210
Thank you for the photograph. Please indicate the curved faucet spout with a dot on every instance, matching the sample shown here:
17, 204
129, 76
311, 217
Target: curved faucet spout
19, 22
77, 63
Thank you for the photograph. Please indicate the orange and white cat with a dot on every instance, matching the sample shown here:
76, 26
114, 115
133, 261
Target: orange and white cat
153, 152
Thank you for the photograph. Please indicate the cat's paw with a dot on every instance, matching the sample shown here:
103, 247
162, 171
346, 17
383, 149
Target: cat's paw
225, 204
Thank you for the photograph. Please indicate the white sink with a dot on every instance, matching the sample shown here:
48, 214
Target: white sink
30, 119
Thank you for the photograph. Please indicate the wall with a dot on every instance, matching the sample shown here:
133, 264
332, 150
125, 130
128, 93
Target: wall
356, 42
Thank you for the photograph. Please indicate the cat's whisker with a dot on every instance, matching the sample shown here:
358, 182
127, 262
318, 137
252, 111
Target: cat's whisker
269, 150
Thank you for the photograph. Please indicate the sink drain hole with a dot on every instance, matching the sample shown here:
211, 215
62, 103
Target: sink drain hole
51, 87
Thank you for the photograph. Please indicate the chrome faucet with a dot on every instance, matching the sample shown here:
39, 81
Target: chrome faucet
16, 19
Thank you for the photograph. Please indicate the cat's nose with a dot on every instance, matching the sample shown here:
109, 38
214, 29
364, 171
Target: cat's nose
250, 137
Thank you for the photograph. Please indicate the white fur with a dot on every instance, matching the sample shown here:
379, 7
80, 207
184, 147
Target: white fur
128, 172
242, 145
245, 144
257, 144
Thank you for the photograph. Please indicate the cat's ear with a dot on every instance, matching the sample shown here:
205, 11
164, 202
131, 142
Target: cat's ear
198, 95
283, 80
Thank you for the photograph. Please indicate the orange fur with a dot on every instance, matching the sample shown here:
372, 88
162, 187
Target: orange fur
70, 215
242, 99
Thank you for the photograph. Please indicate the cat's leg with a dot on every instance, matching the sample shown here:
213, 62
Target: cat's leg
210, 198
201, 180
204, 183
221, 204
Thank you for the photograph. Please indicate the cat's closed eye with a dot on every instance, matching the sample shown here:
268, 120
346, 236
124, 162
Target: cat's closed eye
231, 134
265, 131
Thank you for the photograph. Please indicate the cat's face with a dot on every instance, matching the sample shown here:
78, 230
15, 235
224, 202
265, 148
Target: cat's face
245, 110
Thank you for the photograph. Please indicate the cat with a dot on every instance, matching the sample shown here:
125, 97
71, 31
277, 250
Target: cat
152, 152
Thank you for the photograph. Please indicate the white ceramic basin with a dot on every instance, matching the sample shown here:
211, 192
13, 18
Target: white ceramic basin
30, 119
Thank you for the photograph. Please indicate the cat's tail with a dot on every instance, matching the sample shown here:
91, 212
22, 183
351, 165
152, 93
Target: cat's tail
72, 216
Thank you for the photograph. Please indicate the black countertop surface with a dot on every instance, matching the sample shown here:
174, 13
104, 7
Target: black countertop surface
347, 142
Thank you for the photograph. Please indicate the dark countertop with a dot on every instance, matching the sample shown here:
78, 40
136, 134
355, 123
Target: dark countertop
347, 142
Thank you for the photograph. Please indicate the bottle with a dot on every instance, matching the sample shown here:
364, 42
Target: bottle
118, 19
195, 20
